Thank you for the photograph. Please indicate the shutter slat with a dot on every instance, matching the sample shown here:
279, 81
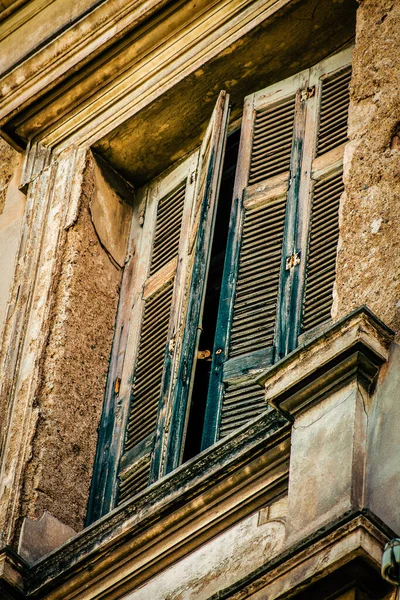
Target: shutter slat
335, 98
135, 480
148, 373
168, 226
240, 404
256, 292
324, 232
272, 141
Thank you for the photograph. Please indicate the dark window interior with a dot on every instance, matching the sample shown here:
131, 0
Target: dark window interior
210, 313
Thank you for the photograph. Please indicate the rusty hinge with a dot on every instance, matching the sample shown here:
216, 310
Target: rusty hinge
292, 261
307, 93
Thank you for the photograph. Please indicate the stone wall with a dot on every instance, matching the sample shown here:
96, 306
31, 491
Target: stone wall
368, 266
73, 369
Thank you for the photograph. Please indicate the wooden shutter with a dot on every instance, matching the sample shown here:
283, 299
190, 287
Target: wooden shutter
280, 262
147, 319
181, 371
158, 323
265, 187
328, 131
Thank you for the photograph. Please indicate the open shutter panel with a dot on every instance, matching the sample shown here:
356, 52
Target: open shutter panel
332, 79
246, 327
177, 386
157, 300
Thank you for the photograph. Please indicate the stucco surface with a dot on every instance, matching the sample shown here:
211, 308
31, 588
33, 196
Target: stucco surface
73, 374
368, 264
12, 204
219, 563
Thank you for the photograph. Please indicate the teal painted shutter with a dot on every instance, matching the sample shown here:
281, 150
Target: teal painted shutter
146, 318
183, 361
149, 369
266, 181
331, 79
280, 262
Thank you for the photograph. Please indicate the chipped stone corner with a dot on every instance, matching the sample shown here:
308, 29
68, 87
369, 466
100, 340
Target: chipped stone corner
40, 537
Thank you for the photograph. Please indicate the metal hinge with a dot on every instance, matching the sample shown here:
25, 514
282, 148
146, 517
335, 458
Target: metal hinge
292, 261
307, 93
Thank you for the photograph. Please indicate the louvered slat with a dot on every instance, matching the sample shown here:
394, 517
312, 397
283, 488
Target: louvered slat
168, 227
324, 233
149, 368
135, 480
254, 315
272, 141
335, 100
240, 404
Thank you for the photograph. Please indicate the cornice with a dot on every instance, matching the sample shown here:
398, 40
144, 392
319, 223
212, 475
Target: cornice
174, 516
129, 77
81, 41
358, 537
95, 32
353, 348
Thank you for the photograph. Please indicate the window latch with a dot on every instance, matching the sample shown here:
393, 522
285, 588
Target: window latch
292, 261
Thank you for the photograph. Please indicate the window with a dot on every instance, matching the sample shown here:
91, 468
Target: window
169, 381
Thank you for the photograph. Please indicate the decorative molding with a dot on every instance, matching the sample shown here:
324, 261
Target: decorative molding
135, 87
37, 158
329, 555
175, 515
52, 204
353, 348
83, 39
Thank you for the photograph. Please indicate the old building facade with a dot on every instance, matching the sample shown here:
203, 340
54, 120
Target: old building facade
199, 298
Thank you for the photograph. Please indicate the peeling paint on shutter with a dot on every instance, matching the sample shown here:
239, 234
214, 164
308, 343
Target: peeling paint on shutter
324, 233
157, 297
254, 316
272, 141
246, 328
168, 227
200, 242
149, 368
335, 98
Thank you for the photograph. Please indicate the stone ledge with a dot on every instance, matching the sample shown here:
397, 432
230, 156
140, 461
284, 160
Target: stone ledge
175, 515
12, 572
358, 538
353, 348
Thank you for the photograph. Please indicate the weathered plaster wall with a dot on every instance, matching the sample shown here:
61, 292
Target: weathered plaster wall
222, 561
383, 473
368, 265
12, 204
74, 370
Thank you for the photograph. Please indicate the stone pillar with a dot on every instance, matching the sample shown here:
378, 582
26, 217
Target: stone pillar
368, 264
326, 388
56, 345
